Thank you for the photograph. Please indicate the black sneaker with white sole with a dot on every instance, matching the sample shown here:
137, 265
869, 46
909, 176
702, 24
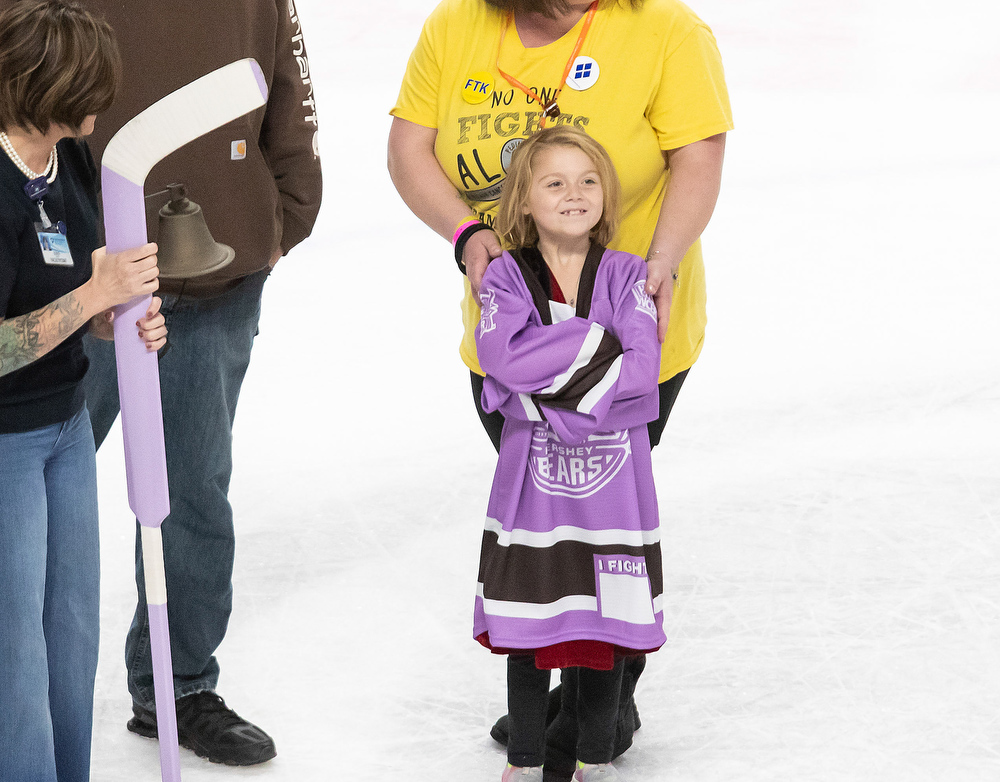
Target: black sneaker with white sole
210, 729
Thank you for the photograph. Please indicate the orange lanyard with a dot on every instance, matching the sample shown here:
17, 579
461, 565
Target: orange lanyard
550, 109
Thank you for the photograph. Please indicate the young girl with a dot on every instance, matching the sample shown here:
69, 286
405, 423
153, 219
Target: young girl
570, 572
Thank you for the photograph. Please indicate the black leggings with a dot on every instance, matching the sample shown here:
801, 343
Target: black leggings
593, 710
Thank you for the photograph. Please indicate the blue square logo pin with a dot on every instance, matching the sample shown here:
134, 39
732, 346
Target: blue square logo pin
583, 74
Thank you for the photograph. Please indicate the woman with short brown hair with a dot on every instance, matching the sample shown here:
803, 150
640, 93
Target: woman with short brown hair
59, 65
58, 68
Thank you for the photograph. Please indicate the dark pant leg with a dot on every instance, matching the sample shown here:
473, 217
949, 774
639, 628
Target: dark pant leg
200, 378
597, 697
527, 703
562, 733
100, 386
628, 714
492, 422
669, 389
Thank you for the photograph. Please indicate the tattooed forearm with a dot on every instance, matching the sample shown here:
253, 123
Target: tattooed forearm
27, 338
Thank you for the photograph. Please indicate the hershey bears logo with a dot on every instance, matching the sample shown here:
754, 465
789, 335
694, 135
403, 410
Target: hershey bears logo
576, 470
643, 301
488, 306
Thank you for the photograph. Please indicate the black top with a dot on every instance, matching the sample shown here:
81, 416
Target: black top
47, 391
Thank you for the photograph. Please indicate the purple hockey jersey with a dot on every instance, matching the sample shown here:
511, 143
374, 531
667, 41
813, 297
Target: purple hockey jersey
571, 548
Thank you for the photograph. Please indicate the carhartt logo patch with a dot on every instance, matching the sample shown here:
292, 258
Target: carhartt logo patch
238, 149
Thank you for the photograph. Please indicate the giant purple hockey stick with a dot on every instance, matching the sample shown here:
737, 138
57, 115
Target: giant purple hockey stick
167, 125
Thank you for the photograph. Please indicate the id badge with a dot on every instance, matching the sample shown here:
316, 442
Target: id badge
55, 245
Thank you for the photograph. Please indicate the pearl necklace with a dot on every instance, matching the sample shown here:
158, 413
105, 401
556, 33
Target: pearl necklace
50, 170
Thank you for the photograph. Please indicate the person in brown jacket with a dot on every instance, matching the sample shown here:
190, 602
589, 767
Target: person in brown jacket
258, 182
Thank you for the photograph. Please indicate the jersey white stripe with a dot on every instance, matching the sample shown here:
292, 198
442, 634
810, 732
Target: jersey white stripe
530, 408
583, 357
596, 537
515, 610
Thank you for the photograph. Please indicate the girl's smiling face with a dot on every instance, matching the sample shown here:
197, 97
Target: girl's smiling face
565, 199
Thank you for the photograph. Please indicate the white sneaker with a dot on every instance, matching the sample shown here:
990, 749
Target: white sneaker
519, 774
596, 772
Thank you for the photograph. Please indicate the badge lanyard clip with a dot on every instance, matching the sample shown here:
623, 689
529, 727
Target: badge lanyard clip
36, 190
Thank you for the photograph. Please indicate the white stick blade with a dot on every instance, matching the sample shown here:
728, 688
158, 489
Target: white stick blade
182, 116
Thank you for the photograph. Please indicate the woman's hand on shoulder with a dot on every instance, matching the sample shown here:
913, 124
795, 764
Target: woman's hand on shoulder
661, 282
481, 248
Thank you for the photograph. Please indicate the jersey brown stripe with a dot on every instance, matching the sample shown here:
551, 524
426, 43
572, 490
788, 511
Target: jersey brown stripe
543, 575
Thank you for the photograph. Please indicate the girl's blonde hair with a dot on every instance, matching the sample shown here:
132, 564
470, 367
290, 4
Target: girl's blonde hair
517, 229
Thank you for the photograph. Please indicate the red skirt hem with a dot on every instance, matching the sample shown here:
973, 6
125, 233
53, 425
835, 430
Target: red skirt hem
598, 655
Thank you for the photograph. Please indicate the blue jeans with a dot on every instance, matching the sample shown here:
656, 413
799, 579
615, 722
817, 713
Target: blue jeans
49, 601
200, 378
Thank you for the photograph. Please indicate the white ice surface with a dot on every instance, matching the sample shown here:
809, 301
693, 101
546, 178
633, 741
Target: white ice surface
829, 481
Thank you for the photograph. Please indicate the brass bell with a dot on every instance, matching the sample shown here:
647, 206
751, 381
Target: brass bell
186, 247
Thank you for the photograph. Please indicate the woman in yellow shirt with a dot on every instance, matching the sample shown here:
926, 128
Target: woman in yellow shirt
643, 77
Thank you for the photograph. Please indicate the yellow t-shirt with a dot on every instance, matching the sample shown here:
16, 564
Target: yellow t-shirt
645, 81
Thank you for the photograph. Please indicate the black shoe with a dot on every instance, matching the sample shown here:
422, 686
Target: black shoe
211, 730
500, 731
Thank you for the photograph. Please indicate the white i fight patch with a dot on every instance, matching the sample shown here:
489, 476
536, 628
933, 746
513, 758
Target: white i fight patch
623, 591
583, 74
238, 150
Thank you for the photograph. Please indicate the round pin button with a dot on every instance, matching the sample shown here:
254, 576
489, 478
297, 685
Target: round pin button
478, 87
583, 74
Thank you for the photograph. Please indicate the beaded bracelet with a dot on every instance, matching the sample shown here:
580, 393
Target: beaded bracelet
462, 236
